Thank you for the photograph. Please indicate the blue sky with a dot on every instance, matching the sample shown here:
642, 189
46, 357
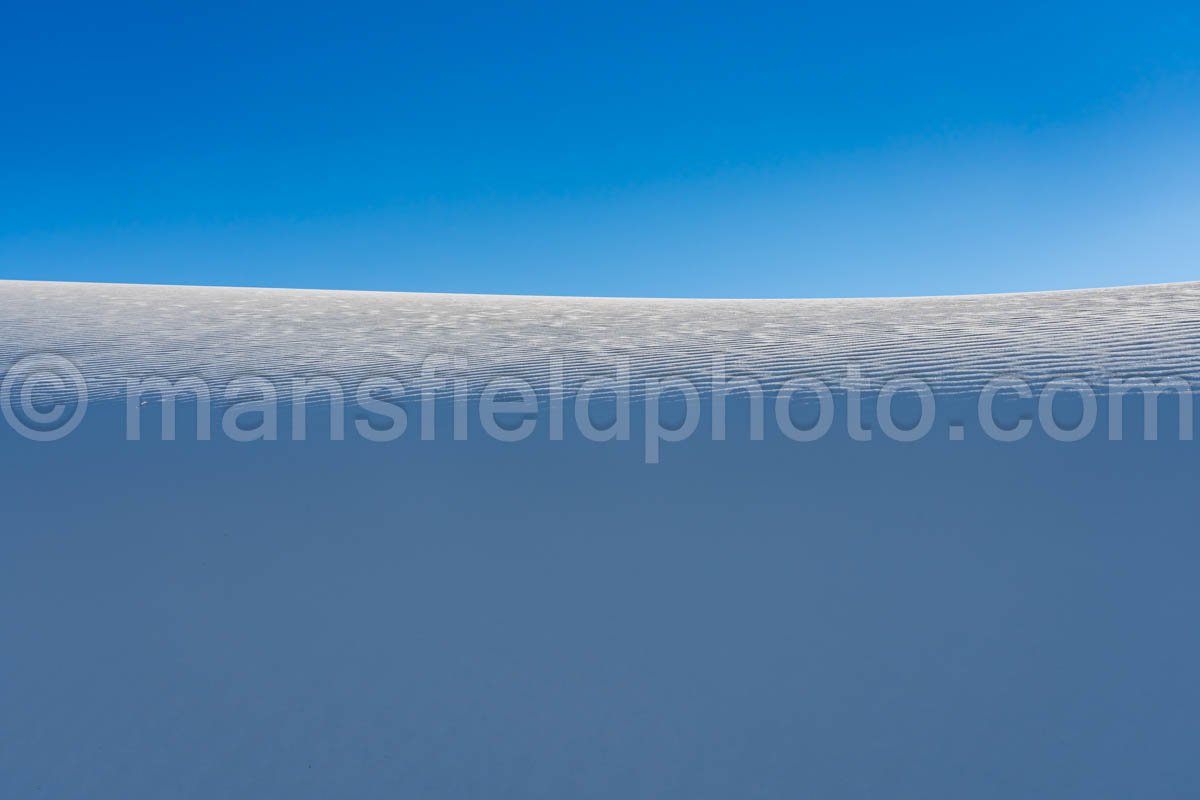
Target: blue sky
611, 149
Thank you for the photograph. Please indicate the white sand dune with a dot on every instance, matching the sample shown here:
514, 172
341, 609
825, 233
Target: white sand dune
951, 617
954, 343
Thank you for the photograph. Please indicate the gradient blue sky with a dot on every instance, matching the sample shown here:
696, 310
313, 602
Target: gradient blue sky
609, 149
